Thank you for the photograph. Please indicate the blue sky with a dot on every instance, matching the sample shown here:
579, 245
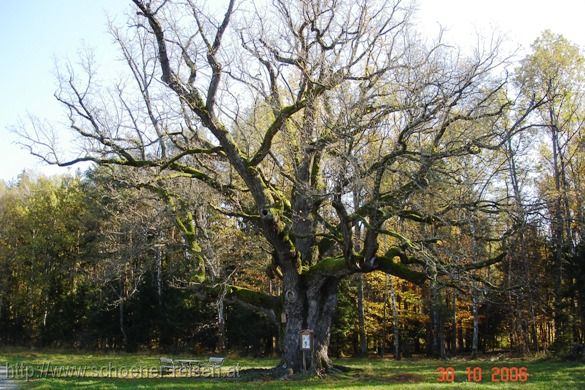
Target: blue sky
35, 33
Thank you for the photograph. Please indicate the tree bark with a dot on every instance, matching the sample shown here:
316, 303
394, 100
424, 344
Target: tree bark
159, 274
221, 320
438, 334
294, 311
309, 303
322, 299
475, 339
121, 323
454, 327
361, 315
557, 233
384, 320
395, 327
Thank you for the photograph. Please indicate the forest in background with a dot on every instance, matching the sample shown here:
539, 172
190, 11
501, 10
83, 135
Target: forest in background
90, 261
467, 176
92, 264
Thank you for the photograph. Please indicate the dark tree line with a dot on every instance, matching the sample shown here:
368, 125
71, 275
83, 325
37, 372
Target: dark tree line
94, 265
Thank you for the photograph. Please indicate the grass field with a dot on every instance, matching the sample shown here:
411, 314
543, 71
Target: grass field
99, 371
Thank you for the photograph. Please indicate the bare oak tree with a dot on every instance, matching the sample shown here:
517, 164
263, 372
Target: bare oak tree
289, 111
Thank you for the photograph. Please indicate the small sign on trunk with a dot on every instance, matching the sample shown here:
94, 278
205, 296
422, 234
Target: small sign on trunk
306, 346
306, 339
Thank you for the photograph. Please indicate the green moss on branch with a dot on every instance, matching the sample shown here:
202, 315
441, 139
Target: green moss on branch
329, 266
254, 298
388, 265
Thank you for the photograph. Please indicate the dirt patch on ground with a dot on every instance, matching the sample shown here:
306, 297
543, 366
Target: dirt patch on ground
257, 374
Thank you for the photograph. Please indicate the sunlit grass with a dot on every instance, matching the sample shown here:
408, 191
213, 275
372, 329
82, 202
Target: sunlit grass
373, 373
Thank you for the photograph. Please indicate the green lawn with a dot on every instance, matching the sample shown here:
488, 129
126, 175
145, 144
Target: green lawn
366, 373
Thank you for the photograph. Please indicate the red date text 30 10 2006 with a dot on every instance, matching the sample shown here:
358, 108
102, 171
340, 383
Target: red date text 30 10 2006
475, 374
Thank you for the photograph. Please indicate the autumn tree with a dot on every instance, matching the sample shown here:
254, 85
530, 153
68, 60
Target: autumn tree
345, 101
42, 250
555, 71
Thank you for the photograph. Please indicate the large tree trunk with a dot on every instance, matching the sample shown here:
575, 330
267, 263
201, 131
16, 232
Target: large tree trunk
294, 311
309, 303
321, 300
